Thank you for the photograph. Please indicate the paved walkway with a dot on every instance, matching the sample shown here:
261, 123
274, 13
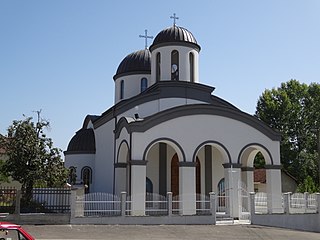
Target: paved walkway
168, 232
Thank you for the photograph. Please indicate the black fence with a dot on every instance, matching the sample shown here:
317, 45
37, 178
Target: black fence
7, 199
43, 200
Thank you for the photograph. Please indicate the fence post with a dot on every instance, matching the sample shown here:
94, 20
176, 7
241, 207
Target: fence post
73, 199
169, 202
286, 202
318, 202
123, 203
213, 206
306, 196
18, 202
252, 203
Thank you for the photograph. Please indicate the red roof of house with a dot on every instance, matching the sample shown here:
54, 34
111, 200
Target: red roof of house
259, 175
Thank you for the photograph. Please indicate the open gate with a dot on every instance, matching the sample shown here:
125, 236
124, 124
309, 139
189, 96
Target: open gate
244, 202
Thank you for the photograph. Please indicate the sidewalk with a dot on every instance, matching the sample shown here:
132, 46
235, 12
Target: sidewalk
168, 232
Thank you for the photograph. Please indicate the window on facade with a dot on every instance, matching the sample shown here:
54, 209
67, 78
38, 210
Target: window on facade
221, 193
144, 84
72, 175
158, 68
191, 61
86, 176
121, 89
175, 65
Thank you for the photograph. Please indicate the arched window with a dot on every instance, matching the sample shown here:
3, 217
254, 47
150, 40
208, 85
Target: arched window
149, 185
158, 68
144, 84
121, 89
191, 62
86, 176
72, 175
175, 65
221, 194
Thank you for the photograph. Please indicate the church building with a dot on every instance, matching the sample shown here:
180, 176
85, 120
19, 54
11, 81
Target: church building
167, 132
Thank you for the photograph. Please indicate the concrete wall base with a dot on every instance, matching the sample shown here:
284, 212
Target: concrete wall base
145, 220
38, 218
305, 222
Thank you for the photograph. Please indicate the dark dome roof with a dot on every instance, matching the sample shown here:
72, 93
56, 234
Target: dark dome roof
135, 63
174, 34
82, 142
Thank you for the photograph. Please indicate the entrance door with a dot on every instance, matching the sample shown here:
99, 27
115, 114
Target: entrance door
175, 175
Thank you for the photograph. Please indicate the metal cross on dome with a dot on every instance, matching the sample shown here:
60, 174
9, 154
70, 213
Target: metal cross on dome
174, 19
146, 38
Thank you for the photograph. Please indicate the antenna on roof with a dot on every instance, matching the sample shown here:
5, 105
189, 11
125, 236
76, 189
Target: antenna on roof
174, 19
146, 38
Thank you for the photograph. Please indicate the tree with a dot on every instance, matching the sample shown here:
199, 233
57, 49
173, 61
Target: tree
294, 110
32, 159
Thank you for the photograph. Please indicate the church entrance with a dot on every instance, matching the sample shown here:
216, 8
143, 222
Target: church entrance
175, 175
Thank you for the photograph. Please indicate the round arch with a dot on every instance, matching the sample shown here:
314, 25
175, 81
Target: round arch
248, 153
222, 149
123, 152
175, 145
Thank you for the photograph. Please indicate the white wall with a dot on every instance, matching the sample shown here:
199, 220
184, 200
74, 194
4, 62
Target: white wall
233, 134
104, 158
80, 161
132, 86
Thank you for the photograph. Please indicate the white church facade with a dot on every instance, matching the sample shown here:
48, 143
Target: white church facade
167, 132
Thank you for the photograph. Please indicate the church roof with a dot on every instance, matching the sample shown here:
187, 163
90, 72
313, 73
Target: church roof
174, 34
83, 142
135, 63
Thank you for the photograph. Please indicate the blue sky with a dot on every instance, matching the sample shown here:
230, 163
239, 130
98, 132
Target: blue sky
60, 56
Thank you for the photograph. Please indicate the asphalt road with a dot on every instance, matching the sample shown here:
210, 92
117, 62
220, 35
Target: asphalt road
168, 232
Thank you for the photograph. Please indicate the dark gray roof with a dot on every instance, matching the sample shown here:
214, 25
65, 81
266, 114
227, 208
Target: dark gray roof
83, 142
174, 34
135, 63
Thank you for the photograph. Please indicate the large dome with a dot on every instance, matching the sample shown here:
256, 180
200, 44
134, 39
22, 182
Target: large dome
135, 63
82, 142
174, 35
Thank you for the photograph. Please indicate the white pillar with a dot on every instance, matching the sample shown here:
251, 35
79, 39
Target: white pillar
187, 187
232, 174
274, 192
120, 178
138, 187
248, 178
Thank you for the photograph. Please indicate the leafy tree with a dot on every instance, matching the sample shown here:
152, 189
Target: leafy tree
307, 186
294, 110
32, 159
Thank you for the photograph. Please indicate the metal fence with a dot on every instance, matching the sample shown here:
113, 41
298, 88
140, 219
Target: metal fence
7, 199
47, 200
156, 204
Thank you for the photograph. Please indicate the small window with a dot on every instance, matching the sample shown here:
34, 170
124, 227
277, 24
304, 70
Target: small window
121, 89
191, 61
144, 84
158, 68
175, 65
86, 176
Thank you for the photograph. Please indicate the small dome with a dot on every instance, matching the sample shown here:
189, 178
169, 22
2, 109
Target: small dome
135, 63
82, 142
174, 34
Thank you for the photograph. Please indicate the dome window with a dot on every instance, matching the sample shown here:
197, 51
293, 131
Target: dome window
191, 62
121, 89
175, 65
86, 176
144, 84
158, 61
